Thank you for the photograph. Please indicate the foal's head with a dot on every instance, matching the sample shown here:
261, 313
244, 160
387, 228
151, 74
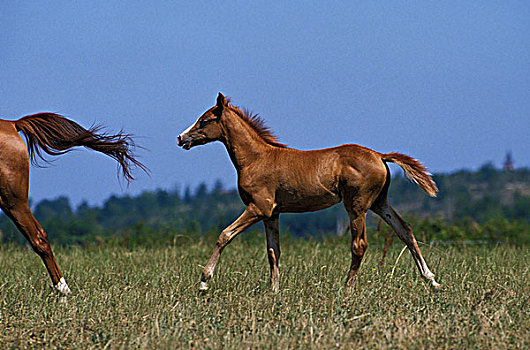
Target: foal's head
207, 128
211, 126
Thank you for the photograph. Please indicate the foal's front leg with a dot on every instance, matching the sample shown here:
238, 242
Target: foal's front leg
272, 231
250, 216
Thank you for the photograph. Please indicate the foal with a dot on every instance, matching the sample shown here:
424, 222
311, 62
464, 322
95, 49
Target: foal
54, 135
274, 179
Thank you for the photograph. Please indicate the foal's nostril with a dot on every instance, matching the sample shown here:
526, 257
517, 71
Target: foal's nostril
179, 141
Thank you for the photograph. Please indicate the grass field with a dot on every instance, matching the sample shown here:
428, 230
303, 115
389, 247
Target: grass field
147, 298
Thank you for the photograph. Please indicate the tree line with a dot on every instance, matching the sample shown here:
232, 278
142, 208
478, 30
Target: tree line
487, 204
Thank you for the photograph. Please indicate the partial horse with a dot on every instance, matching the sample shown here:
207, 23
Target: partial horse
54, 135
275, 179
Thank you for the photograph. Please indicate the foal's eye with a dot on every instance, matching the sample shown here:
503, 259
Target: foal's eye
205, 122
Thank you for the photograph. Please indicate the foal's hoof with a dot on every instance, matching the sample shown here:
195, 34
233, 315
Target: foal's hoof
435, 285
203, 287
62, 287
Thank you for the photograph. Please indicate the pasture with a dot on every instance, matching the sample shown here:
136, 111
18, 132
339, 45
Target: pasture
147, 298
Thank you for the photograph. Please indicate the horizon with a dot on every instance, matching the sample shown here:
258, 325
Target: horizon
180, 190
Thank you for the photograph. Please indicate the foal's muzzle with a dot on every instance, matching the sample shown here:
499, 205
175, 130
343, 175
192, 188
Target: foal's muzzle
186, 144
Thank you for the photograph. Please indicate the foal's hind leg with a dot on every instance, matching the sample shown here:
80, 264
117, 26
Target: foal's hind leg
404, 232
359, 244
30, 228
272, 231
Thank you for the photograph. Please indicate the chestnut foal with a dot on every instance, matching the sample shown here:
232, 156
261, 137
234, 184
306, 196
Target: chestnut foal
274, 179
54, 135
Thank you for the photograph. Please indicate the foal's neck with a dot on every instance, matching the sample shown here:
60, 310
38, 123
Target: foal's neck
243, 144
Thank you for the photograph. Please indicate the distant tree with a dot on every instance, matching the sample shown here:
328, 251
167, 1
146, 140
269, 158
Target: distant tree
59, 207
217, 186
487, 171
201, 191
187, 194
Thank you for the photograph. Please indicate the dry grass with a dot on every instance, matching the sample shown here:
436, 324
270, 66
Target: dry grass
147, 298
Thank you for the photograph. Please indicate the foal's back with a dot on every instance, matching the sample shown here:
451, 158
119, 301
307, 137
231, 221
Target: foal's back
317, 179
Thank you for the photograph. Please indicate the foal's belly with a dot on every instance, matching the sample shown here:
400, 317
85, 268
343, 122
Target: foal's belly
303, 201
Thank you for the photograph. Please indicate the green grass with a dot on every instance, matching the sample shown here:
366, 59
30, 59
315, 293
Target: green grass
147, 298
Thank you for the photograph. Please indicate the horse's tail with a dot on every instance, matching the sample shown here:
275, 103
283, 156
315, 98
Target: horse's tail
414, 170
55, 135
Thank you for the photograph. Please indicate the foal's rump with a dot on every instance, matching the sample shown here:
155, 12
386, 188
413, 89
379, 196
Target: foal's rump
369, 161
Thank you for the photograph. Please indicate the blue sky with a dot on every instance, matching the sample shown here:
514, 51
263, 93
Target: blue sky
446, 82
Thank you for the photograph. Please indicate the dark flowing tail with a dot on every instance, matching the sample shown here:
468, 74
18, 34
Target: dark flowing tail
414, 170
56, 135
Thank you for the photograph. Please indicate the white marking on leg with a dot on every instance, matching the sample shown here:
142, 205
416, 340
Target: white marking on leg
208, 274
209, 271
427, 274
62, 287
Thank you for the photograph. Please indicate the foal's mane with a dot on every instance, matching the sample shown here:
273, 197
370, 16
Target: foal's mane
257, 124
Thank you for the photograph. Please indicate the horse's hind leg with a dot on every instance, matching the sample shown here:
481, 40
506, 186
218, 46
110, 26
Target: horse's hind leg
272, 231
37, 237
404, 232
359, 244
14, 182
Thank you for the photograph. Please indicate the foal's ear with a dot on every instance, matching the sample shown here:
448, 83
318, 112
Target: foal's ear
221, 101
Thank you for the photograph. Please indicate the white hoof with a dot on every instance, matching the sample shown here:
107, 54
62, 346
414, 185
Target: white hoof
203, 286
435, 284
62, 287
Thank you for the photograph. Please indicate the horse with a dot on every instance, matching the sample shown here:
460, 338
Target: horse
55, 135
273, 179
